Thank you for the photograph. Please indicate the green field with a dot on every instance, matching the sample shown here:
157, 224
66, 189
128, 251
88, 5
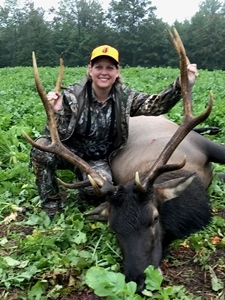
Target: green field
42, 260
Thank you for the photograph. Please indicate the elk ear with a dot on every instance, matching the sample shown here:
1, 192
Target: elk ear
100, 213
174, 187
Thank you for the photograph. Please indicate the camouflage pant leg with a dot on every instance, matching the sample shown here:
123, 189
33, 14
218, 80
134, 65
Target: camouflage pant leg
45, 165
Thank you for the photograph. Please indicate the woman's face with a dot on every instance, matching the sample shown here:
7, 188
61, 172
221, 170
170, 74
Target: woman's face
103, 72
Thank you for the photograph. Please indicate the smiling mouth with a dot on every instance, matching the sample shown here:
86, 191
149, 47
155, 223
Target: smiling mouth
103, 79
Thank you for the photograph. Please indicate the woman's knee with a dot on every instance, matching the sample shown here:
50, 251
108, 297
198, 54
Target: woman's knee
40, 156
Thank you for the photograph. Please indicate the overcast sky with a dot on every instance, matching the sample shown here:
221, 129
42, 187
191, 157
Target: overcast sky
172, 10
168, 10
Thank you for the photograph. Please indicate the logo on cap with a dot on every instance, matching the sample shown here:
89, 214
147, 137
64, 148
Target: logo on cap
105, 50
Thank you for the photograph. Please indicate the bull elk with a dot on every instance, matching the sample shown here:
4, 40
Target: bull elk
156, 198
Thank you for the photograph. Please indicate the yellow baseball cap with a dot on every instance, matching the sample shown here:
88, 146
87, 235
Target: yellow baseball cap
105, 50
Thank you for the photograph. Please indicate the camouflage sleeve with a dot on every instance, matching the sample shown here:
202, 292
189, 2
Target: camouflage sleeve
155, 104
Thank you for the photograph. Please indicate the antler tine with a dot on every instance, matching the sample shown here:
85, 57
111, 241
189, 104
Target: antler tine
56, 146
61, 72
188, 122
186, 92
75, 185
81, 184
47, 106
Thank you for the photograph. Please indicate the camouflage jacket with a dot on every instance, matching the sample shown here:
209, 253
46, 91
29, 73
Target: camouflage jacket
128, 103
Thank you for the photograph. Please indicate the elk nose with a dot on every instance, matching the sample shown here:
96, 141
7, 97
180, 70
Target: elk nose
140, 287
140, 281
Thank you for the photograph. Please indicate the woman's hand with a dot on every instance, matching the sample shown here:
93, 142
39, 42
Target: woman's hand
192, 74
55, 100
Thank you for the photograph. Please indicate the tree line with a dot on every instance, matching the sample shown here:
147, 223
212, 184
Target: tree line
75, 27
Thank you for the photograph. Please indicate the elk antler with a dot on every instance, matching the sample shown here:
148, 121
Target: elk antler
56, 146
188, 122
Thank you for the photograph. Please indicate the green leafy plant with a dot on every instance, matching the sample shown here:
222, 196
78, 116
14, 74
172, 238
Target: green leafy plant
113, 286
110, 284
43, 259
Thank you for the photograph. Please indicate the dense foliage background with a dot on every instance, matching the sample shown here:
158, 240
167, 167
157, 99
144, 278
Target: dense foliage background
78, 26
43, 260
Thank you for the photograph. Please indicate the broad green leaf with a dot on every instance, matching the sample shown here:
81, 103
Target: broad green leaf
3, 241
106, 283
11, 262
153, 279
37, 291
217, 284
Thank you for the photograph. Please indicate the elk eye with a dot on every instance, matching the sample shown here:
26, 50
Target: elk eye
156, 219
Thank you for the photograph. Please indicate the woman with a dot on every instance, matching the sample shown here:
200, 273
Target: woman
93, 119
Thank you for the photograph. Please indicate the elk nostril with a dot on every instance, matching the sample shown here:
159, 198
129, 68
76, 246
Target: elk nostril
140, 287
